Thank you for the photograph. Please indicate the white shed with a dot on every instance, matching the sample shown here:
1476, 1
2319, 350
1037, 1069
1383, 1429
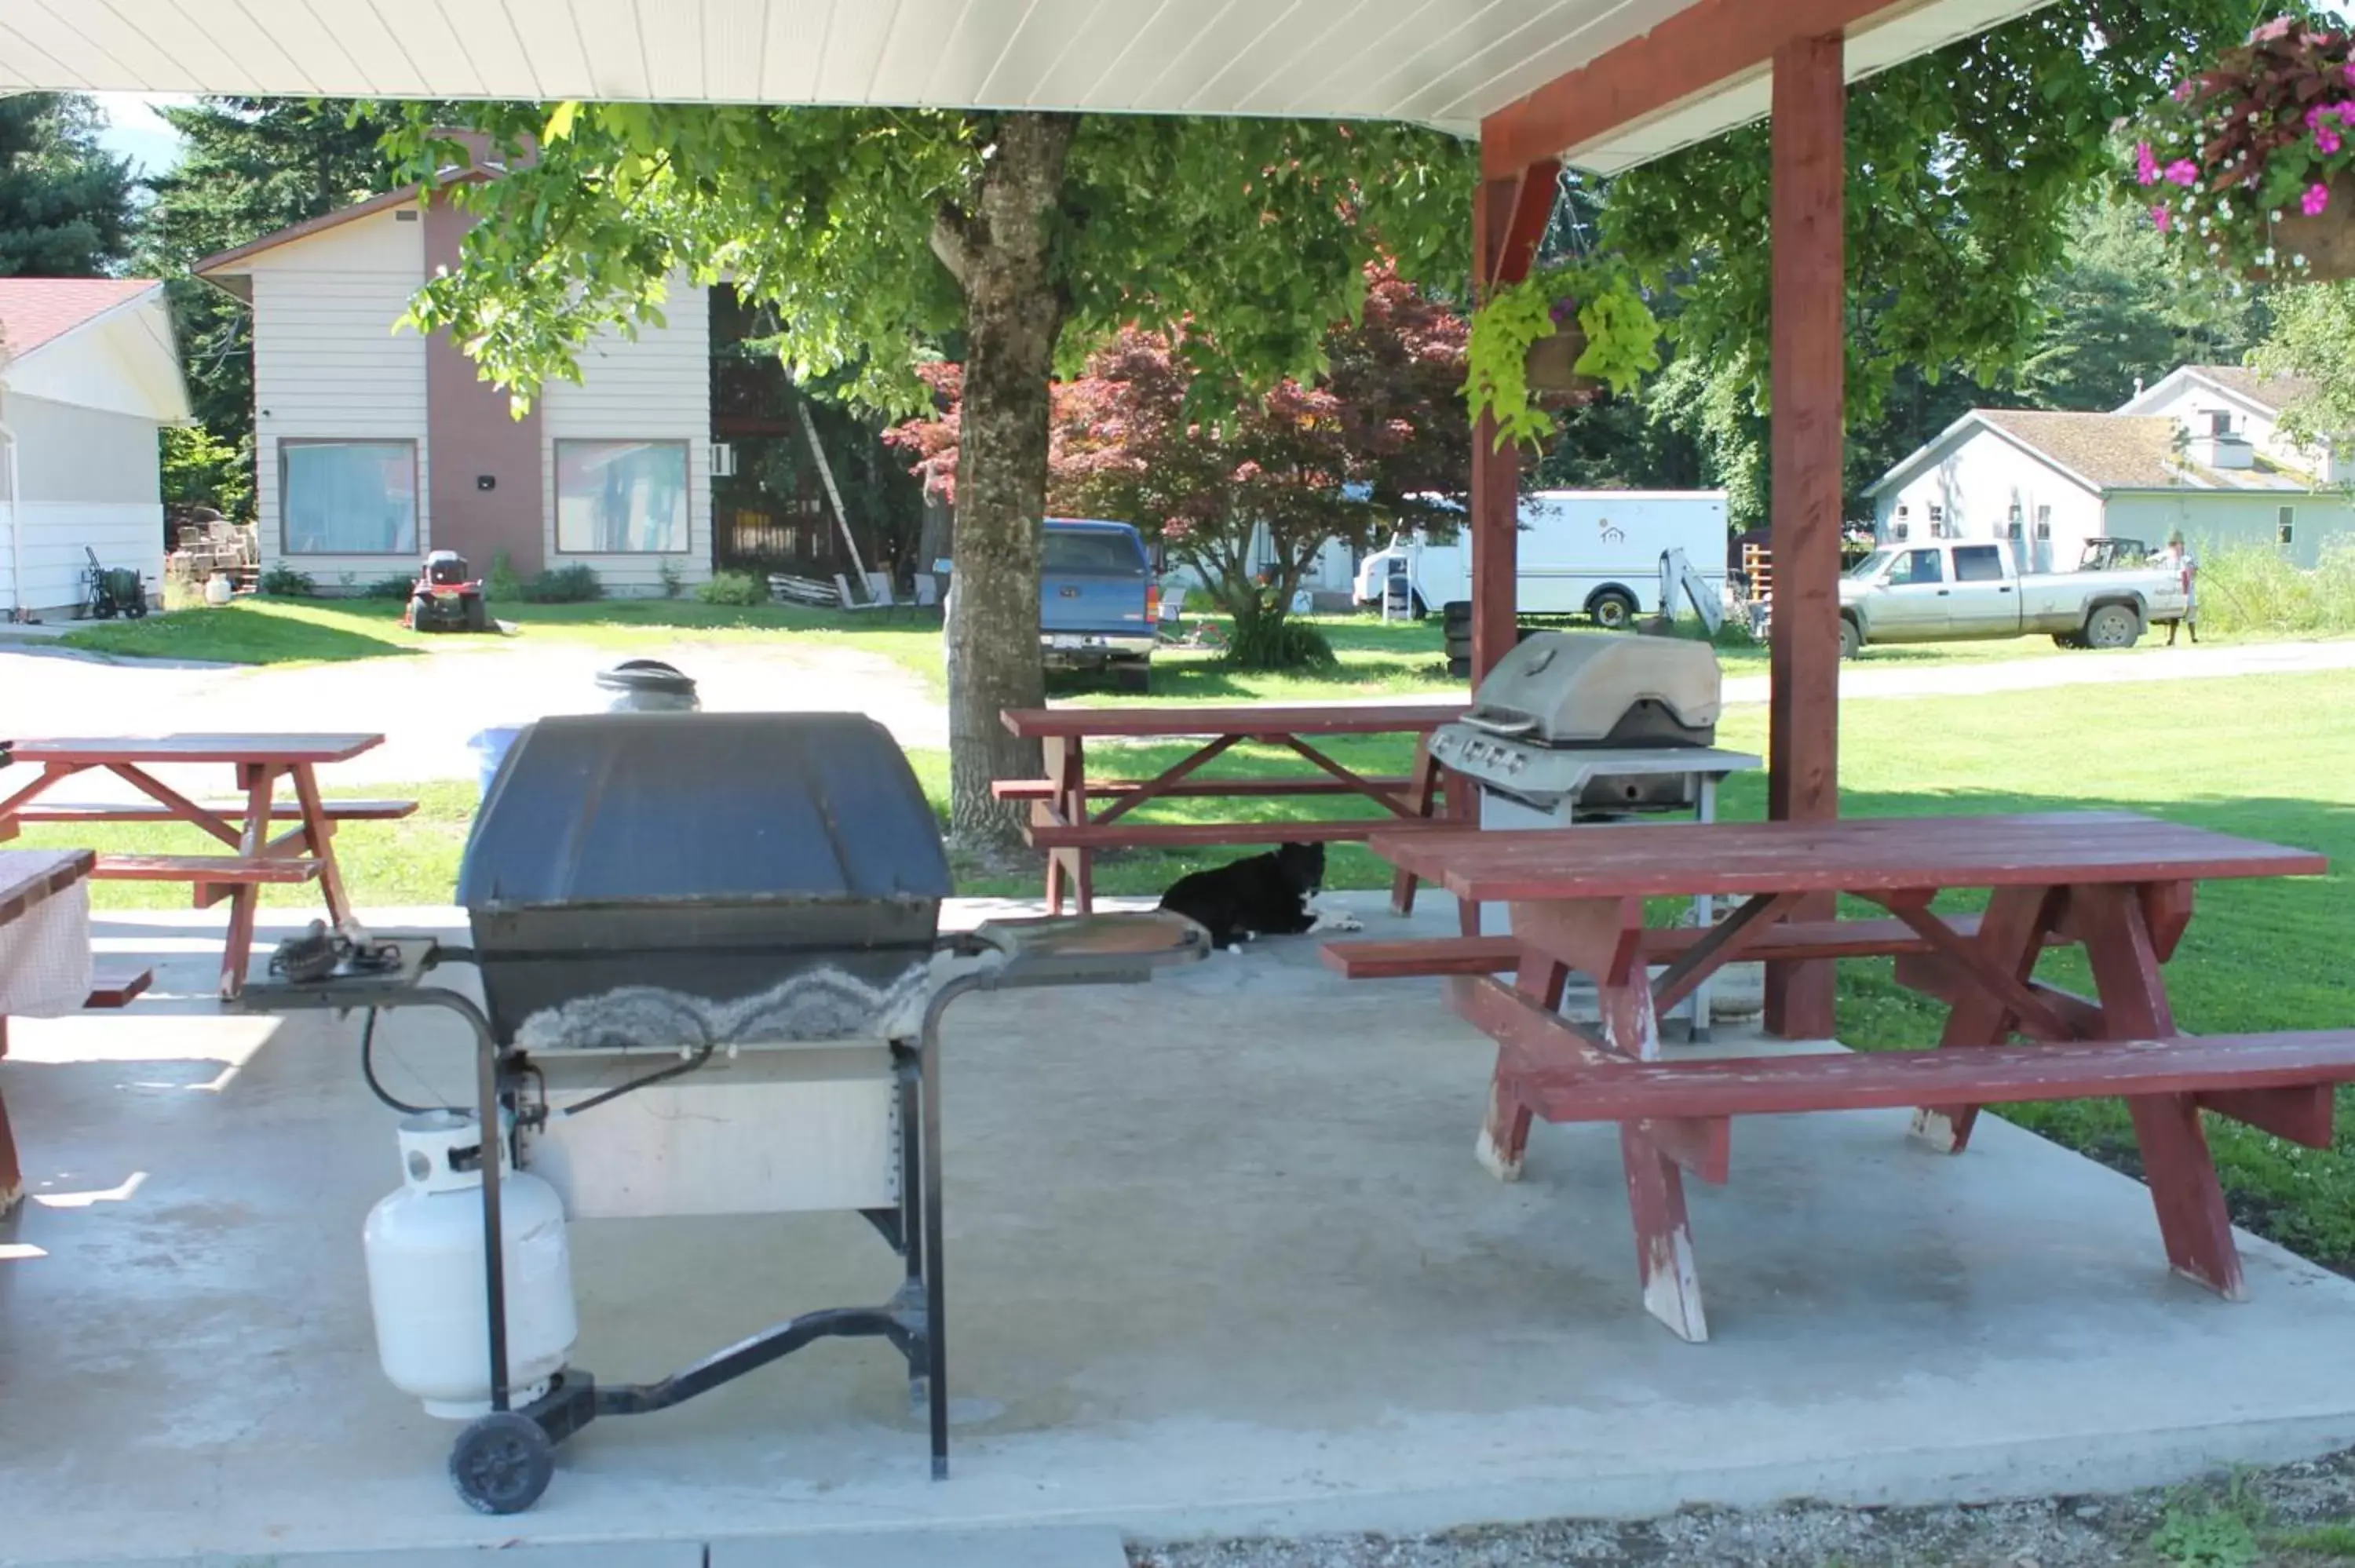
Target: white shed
89, 374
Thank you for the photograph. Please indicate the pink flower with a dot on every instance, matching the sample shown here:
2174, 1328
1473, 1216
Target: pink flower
2146, 164
2326, 140
2162, 218
2316, 197
2183, 172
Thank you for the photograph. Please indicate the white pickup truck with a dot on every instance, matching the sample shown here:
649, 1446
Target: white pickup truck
1953, 593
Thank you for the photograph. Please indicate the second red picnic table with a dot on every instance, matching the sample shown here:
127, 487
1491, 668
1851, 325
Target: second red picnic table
258, 762
1070, 830
2118, 885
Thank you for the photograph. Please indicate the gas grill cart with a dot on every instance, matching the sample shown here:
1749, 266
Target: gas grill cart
713, 982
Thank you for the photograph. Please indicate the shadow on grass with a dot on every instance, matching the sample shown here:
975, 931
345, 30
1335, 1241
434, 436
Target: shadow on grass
272, 633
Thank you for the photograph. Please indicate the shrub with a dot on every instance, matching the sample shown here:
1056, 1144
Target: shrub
2248, 588
284, 582
1268, 643
563, 585
390, 588
505, 581
672, 582
733, 587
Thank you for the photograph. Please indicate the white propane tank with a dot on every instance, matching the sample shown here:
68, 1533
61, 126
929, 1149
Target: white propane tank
218, 590
425, 1247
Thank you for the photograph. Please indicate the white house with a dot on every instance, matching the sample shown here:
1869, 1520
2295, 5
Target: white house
374, 444
2199, 452
88, 373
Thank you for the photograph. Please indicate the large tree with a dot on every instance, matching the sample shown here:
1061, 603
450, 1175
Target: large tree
1380, 437
1969, 172
250, 166
877, 233
66, 206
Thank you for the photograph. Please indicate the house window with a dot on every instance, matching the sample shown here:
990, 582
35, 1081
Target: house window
620, 497
2285, 525
1902, 531
2044, 522
1939, 528
348, 498
2220, 421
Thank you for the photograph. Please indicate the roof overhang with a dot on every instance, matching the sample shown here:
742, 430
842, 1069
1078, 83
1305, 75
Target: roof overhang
1445, 63
124, 360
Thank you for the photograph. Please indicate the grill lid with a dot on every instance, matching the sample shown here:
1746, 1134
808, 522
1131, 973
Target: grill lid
635, 808
1560, 689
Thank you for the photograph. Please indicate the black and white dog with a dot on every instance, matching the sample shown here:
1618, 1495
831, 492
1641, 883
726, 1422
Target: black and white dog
1263, 895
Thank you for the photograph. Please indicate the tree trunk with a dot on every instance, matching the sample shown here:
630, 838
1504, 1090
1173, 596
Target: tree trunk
1000, 251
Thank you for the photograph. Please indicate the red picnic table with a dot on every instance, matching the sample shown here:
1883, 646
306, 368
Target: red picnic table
2118, 885
304, 852
1063, 824
29, 879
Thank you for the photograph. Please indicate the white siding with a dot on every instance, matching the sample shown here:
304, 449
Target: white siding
657, 388
327, 363
1975, 483
2189, 403
124, 534
2218, 520
89, 481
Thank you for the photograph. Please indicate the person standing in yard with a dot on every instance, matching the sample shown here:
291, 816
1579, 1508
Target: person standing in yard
2179, 559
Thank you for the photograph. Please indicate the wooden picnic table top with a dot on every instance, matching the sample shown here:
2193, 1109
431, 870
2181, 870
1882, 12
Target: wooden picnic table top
1240, 718
1857, 854
30, 876
286, 748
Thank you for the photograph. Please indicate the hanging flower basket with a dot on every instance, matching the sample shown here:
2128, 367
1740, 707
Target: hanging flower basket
1551, 365
2319, 248
2249, 165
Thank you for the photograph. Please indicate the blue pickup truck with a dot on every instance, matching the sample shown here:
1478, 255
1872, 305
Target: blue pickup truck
1097, 601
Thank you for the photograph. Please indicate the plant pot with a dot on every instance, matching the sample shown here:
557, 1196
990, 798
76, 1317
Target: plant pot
2326, 240
1552, 363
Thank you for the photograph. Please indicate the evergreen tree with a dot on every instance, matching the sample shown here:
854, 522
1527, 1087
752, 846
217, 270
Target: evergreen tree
66, 206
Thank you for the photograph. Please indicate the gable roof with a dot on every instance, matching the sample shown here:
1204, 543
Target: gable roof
2274, 393
226, 269
2108, 451
35, 311
2103, 453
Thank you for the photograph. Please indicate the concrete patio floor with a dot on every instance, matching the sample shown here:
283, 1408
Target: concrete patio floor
1221, 1261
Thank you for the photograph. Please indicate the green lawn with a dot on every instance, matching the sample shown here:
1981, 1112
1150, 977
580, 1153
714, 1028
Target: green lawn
312, 630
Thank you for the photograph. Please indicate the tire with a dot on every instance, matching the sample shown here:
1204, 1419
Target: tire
1415, 608
1460, 669
478, 617
1456, 616
1135, 679
502, 1462
1851, 637
1612, 610
2112, 626
423, 615
136, 609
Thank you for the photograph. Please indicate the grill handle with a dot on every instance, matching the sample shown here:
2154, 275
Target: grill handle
1515, 726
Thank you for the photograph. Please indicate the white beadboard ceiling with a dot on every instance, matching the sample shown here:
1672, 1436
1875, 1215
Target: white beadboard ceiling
1440, 62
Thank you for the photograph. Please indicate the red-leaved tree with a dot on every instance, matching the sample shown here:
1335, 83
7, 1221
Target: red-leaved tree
1380, 440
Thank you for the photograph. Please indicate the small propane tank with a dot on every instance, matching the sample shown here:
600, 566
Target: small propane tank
425, 1247
218, 590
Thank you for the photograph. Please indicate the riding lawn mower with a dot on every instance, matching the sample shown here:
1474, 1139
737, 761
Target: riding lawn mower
447, 597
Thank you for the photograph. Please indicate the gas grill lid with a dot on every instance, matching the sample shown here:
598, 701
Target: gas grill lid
694, 808
1560, 689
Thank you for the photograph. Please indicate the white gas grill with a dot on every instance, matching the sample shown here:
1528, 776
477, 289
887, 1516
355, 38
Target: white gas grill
1573, 729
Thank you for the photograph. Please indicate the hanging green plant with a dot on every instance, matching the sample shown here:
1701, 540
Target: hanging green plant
1563, 328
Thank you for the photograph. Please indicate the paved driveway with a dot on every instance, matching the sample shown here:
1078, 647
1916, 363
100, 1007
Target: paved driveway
427, 706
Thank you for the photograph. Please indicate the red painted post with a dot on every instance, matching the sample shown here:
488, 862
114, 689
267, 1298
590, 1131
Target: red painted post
1508, 218
1810, 98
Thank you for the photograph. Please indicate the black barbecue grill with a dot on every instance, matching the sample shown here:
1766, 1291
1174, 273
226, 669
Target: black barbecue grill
645, 889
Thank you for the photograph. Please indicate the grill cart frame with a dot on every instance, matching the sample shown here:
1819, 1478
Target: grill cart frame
503, 1461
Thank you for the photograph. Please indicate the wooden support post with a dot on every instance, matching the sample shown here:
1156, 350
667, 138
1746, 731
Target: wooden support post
1508, 218
1810, 96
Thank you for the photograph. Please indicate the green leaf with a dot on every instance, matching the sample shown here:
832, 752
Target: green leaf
559, 123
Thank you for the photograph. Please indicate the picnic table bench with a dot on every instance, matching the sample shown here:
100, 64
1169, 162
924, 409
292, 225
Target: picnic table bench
1070, 829
2117, 884
31, 880
303, 852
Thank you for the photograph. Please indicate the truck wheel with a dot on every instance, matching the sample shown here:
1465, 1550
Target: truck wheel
1612, 610
2112, 626
1136, 678
1851, 637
